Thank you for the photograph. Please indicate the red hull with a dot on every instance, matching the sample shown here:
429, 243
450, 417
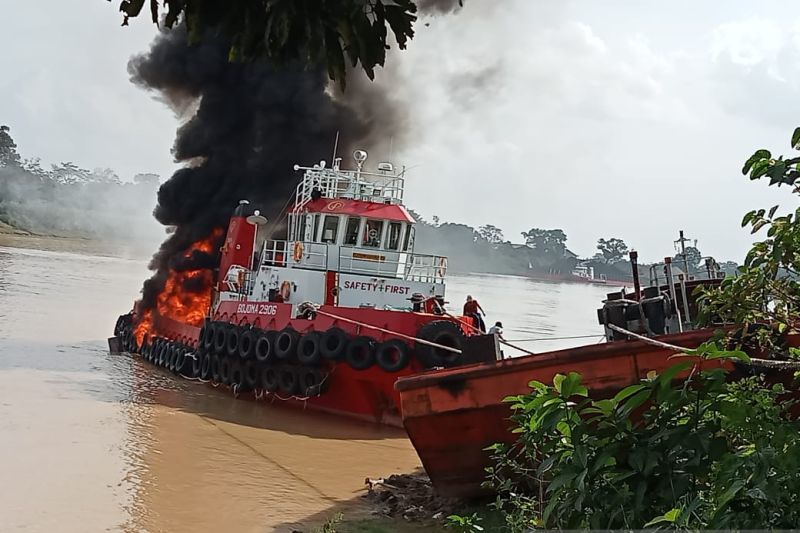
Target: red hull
452, 415
363, 394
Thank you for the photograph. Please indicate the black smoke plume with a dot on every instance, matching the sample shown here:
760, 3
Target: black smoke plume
252, 124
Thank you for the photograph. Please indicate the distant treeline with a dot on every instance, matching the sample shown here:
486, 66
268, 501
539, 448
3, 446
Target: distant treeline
540, 252
67, 200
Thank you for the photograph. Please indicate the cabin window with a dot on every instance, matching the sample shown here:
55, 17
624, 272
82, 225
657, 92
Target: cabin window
351, 233
330, 229
372, 233
393, 241
409, 240
316, 227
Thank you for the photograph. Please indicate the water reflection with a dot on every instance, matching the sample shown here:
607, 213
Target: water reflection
90, 441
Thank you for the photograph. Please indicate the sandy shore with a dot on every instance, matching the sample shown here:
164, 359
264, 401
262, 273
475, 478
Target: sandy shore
16, 238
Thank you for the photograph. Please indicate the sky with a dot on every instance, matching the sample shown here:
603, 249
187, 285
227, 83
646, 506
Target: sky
605, 119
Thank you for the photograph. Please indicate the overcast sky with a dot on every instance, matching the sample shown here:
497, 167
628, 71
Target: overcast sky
624, 119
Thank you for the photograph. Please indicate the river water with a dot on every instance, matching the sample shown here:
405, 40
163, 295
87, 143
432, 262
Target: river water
92, 442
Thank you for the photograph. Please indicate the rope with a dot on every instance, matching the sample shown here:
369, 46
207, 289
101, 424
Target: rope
648, 340
558, 338
376, 328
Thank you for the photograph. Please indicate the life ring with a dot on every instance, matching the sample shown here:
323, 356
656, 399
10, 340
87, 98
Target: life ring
441, 268
297, 253
286, 290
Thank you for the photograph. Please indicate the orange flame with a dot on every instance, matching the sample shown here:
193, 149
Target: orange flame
177, 303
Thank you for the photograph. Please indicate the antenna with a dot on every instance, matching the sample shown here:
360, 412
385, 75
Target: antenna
335, 147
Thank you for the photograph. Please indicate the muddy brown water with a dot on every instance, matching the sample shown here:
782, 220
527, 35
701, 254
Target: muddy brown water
95, 442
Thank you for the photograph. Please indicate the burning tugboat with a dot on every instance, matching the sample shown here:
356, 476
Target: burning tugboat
329, 316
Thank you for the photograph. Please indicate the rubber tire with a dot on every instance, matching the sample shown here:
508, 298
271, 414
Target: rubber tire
308, 349
264, 350
360, 353
250, 371
208, 340
312, 382
219, 338
173, 357
392, 355
232, 341
225, 371
269, 378
334, 344
285, 347
202, 336
441, 332
185, 362
247, 344
216, 363
205, 366
163, 354
288, 379
197, 363
237, 376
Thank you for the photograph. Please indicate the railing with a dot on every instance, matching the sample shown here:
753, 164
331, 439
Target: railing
709, 271
367, 261
382, 263
350, 184
281, 254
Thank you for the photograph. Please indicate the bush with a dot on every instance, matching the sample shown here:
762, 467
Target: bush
704, 453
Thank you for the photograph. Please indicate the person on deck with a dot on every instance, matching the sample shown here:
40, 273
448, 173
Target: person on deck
497, 329
471, 309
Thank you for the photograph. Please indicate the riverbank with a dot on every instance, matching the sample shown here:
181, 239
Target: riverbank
13, 237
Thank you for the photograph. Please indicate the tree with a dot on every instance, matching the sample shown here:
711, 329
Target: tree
331, 32
546, 241
148, 179
492, 234
613, 249
68, 173
693, 257
8, 149
767, 287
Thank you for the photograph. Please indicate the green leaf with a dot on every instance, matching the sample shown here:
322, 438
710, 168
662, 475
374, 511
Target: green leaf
772, 211
628, 391
796, 139
670, 516
557, 381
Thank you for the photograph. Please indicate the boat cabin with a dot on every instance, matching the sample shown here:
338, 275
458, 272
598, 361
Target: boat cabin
349, 242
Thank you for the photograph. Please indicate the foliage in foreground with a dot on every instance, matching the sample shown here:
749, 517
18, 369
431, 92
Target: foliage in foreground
702, 453
767, 287
331, 32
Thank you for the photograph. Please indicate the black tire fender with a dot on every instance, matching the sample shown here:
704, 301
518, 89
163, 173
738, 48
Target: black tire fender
360, 353
232, 341
441, 332
313, 382
286, 344
205, 366
264, 349
269, 378
216, 363
247, 343
225, 371
219, 338
308, 349
392, 355
333, 344
288, 379
250, 371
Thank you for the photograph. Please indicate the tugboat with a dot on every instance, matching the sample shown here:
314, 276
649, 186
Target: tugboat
328, 317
